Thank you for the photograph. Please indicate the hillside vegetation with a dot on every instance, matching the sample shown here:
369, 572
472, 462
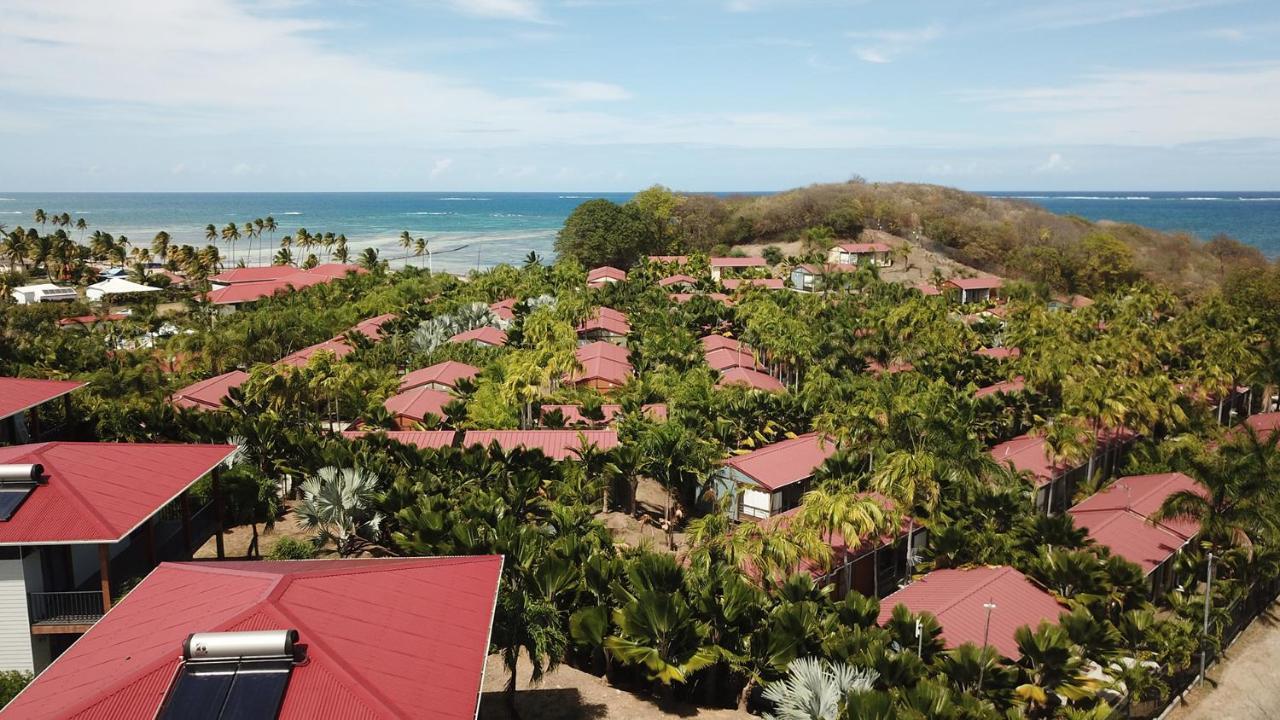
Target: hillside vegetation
1012, 238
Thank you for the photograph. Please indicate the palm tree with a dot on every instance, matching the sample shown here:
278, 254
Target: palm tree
249, 233
420, 249
231, 235
339, 503
211, 233
258, 226
816, 689
368, 259
81, 225
340, 251
269, 224
1052, 670
160, 246
40, 217
406, 240
15, 248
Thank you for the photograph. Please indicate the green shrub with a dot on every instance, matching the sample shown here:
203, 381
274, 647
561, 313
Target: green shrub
11, 683
772, 255
286, 548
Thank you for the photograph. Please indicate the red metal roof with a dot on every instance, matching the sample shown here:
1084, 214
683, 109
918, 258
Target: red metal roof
1264, 423
336, 271
338, 347
927, 288
676, 280
21, 394
776, 466
767, 283
1029, 453
208, 394
555, 444
573, 413
606, 273
417, 403
716, 342
244, 292
486, 335
386, 639
737, 262
372, 328
724, 358
606, 319
447, 373
872, 247
262, 273
876, 368
956, 599
602, 349
91, 319
750, 378
504, 309
1015, 385
602, 361
1000, 353
1119, 517
980, 283
421, 439
100, 492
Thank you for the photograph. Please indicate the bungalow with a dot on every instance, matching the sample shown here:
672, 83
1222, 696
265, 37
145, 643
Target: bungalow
210, 394
413, 407
555, 444
504, 309
678, 283
421, 439
116, 287
231, 297
488, 336
723, 353
984, 606
442, 376
43, 292
1056, 480
975, 290
771, 480
605, 367
999, 353
338, 345
927, 289
732, 284
873, 253
751, 379
1120, 518
20, 401
607, 275
87, 321
808, 277
283, 640
604, 324
720, 264
80, 518
575, 415
872, 566
324, 272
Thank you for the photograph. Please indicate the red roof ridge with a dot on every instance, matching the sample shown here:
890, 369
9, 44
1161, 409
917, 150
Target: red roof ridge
70, 489
1001, 571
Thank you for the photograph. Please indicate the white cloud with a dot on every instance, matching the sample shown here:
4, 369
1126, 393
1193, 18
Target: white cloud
521, 10
885, 46
587, 91
1083, 13
1054, 163
440, 167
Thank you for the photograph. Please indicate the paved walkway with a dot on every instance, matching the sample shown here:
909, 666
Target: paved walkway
1245, 686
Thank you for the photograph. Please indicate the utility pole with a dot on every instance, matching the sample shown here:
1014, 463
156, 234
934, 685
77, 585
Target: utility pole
919, 639
1208, 589
986, 633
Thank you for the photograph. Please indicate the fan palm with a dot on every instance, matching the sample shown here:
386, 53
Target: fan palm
816, 689
339, 504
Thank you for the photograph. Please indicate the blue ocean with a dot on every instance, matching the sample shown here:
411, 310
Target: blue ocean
468, 230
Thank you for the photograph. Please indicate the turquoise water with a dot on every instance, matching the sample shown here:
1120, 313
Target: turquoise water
467, 230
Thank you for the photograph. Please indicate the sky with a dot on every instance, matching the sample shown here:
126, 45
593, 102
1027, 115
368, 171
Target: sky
617, 95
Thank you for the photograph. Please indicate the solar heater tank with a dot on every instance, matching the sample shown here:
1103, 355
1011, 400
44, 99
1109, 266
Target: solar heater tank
233, 645
22, 473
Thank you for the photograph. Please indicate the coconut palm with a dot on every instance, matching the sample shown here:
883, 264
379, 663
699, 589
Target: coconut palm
231, 235
160, 246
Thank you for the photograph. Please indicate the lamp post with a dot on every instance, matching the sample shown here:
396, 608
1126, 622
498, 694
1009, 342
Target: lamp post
986, 632
1208, 589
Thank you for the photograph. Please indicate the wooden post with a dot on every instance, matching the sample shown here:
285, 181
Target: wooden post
33, 428
104, 569
217, 510
185, 501
150, 532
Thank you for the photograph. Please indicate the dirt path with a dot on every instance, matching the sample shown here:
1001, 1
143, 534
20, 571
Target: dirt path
912, 263
570, 694
1246, 686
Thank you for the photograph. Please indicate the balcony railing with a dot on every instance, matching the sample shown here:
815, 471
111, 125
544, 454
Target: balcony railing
65, 608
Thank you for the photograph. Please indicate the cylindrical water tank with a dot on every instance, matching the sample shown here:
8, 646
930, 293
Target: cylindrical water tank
21, 473
232, 645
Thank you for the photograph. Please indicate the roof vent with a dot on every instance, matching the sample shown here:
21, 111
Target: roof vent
233, 675
16, 484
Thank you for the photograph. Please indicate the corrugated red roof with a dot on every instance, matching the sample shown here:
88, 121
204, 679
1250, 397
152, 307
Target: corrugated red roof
602, 349
421, 439
486, 335
446, 373
767, 283
1029, 453
336, 271
372, 328
1119, 517
781, 464
244, 292
100, 492
827, 268
555, 444
417, 403
606, 319
956, 598
602, 361
1264, 423
573, 413
716, 342
91, 319
607, 272
386, 639
1015, 385
1000, 353
338, 347
504, 309
264, 273
21, 394
677, 280
980, 283
927, 288
724, 358
750, 378
208, 394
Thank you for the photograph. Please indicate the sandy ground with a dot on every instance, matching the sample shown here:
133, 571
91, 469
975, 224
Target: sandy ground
235, 541
646, 530
1246, 686
918, 264
570, 694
